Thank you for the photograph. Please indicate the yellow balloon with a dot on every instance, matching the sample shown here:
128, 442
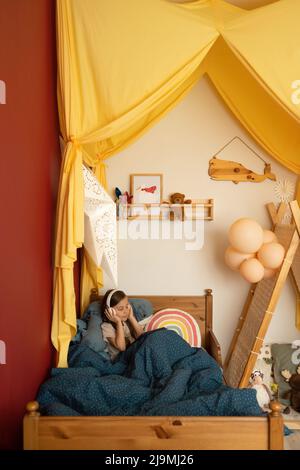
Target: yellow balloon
252, 270
234, 258
246, 236
269, 236
271, 255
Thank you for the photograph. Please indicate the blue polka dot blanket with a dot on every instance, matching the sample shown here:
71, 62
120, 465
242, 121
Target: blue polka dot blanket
158, 375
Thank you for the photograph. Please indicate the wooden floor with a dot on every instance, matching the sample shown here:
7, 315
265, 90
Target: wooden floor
292, 442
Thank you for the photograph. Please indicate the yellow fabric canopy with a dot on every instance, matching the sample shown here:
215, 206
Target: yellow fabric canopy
265, 119
123, 64
267, 41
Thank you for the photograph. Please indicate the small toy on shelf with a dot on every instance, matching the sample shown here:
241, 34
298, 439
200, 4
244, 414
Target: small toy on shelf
178, 212
118, 193
122, 202
178, 198
128, 197
123, 198
122, 211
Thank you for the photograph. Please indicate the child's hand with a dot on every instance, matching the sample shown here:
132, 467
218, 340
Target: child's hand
112, 315
131, 314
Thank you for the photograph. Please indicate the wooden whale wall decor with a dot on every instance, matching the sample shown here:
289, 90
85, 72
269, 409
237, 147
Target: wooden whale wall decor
225, 170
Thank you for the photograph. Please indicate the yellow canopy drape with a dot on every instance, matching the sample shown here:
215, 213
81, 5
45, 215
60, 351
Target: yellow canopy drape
267, 42
123, 64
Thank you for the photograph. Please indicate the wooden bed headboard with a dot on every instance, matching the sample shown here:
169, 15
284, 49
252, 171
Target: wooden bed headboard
199, 306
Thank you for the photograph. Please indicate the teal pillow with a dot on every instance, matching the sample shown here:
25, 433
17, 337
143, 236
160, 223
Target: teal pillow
93, 337
92, 316
80, 332
142, 308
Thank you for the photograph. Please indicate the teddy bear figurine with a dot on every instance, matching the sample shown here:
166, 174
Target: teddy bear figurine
178, 212
263, 393
294, 382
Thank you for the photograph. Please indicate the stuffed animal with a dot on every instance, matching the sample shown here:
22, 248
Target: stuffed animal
178, 198
128, 197
263, 393
178, 212
118, 193
294, 381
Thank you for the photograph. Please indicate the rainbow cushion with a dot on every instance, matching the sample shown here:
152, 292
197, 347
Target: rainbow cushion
179, 321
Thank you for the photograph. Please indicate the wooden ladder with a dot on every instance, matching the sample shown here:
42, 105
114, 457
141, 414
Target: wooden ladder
262, 300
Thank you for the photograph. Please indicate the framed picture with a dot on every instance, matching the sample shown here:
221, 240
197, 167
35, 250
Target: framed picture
146, 188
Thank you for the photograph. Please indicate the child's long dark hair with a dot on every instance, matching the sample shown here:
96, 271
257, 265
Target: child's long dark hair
115, 299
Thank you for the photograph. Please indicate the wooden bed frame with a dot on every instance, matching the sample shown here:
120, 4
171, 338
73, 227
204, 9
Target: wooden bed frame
162, 432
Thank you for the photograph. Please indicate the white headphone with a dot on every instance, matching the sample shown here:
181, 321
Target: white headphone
110, 296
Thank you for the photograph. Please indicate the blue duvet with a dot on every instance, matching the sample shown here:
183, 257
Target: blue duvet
158, 375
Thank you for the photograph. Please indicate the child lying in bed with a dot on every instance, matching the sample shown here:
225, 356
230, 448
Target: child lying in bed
120, 327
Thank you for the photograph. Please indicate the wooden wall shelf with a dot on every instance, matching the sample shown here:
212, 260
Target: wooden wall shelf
200, 209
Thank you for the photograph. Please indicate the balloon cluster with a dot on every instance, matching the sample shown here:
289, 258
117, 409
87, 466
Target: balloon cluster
254, 252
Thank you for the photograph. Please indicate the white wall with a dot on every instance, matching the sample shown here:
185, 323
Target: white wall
180, 147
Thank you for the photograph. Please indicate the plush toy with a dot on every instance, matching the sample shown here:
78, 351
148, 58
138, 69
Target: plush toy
178, 198
118, 193
294, 394
178, 212
128, 197
263, 393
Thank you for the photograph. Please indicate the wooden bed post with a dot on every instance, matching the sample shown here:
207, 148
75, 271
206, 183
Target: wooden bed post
31, 426
208, 310
275, 427
94, 295
211, 343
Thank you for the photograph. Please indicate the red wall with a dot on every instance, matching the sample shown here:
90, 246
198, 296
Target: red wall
29, 159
